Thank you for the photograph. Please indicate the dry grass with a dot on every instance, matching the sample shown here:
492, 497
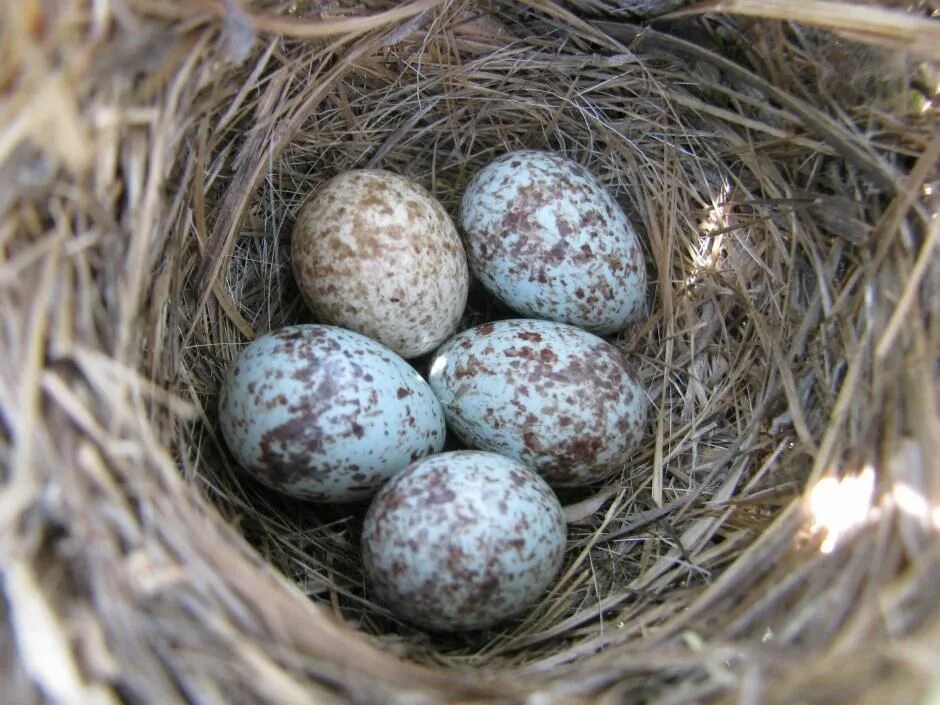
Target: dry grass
773, 541
899, 29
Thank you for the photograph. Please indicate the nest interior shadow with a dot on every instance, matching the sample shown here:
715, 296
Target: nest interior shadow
773, 538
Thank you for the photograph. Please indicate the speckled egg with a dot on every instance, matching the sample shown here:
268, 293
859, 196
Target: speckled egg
462, 540
545, 237
326, 414
376, 253
557, 398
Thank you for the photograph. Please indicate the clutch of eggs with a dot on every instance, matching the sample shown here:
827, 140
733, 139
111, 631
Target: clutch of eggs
326, 414
545, 237
462, 540
375, 253
557, 398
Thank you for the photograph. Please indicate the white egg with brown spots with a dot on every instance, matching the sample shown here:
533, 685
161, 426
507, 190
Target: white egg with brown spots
463, 540
376, 253
545, 237
557, 398
325, 414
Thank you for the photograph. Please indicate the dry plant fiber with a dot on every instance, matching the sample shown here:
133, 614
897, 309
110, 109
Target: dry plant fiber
773, 541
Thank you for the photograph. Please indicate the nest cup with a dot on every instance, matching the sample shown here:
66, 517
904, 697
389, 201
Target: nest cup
774, 537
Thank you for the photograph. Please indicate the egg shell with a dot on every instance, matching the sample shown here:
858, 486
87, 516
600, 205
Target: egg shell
559, 399
545, 237
326, 414
376, 253
463, 540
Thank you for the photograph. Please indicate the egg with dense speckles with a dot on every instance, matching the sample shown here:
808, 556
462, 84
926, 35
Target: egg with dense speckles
375, 253
462, 540
557, 398
545, 237
326, 414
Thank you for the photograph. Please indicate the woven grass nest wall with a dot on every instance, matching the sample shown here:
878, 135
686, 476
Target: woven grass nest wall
774, 539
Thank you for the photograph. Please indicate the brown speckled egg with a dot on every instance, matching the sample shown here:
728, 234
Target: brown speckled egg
557, 398
325, 414
545, 237
462, 540
376, 253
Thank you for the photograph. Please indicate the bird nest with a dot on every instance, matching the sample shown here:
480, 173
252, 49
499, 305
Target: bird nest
772, 540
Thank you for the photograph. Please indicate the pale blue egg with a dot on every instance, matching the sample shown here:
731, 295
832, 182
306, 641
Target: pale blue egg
326, 414
463, 540
545, 237
557, 398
